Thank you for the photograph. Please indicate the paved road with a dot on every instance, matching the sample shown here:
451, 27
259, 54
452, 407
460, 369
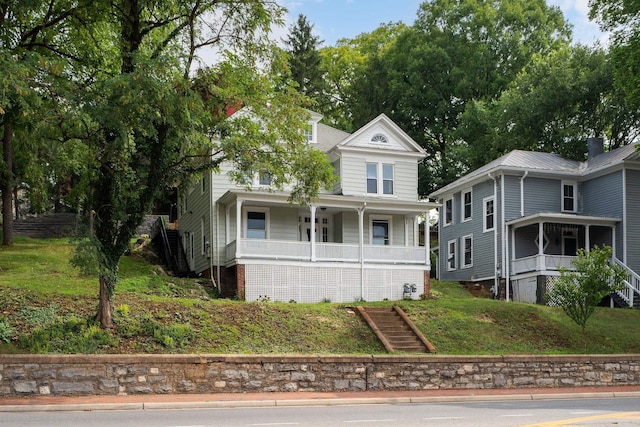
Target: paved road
541, 413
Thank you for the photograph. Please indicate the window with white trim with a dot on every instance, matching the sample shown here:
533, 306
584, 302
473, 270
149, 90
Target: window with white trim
372, 178
466, 205
203, 184
307, 131
264, 178
569, 196
256, 223
451, 255
467, 251
380, 230
375, 185
488, 208
387, 179
448, 211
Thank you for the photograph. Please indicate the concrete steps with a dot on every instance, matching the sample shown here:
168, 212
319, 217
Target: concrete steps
46, 225
395, 330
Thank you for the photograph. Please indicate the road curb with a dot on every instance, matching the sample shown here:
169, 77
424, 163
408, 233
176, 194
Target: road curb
213, 404
73, 407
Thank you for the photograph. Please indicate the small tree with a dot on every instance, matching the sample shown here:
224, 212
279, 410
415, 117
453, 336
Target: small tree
579, 292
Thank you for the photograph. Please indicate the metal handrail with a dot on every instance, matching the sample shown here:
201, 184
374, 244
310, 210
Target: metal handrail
166, 246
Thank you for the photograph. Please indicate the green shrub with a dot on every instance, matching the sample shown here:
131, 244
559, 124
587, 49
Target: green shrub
174, 335
6, 331
39, 317
70, 335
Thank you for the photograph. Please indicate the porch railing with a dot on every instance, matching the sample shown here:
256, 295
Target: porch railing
632, 284
541, 263
330, 252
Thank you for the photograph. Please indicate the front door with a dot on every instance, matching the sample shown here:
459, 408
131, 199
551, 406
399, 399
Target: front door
570, 244
322, 227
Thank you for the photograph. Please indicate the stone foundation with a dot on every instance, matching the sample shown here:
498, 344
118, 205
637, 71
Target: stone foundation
163, 374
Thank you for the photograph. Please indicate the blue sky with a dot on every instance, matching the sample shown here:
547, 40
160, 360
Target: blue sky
335, 19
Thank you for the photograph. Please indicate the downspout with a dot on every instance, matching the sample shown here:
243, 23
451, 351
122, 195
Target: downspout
503, 239
211, 231
522, 193
495, 237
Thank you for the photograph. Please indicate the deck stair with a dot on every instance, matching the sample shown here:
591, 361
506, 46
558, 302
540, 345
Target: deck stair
630, 295
395, 330
46, 225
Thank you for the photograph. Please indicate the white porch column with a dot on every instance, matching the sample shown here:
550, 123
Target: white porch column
613, 242
313, 232
227, 221
407, 221
587, 242
238, 226
427, 241
540, 246
361, 244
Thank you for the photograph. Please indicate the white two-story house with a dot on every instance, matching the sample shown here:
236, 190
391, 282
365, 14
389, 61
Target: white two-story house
358, 241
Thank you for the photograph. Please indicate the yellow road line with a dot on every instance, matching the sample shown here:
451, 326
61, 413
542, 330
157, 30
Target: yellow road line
572, 421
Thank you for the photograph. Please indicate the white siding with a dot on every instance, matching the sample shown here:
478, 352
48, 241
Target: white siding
354, 176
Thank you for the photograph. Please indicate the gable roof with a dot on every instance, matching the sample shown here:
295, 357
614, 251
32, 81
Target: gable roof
543, 163
399, 141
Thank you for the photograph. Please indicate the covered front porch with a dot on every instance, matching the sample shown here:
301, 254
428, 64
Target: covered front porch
543, 243
337, 248
262, 225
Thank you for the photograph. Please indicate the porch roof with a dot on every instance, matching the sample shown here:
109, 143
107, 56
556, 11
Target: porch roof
329, 201
563, 218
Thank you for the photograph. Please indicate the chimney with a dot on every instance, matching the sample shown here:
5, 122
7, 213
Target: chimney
595, 146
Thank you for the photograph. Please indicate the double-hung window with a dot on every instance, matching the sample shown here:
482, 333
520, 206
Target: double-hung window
451, 255
387, 179
380, 231
569, 193
264, 178
448, 211
488, 204
376, 185
372, 178
466, 205
467, 248
257, 223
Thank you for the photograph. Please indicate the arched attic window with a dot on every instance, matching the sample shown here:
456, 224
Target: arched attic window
379, 138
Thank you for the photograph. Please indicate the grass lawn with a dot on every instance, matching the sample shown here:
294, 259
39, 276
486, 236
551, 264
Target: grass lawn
46, 306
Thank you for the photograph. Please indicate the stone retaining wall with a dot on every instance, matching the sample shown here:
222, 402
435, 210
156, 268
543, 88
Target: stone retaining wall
161, 374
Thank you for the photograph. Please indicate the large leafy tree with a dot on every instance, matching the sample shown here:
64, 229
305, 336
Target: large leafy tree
622, 17
151, 124
32, 55
355, 76
131, 91
554, 104
457, 52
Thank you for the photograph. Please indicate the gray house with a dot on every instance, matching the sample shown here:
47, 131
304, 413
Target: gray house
520, 217
358, 241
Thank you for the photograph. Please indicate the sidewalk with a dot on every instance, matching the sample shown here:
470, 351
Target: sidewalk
230, 400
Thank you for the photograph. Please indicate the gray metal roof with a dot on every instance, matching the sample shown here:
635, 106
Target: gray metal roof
329, 137
551, 163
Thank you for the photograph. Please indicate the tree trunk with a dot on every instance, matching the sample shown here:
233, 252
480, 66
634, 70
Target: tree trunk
7, 183
104, 314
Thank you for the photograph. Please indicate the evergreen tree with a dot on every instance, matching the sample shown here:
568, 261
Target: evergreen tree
305, 62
